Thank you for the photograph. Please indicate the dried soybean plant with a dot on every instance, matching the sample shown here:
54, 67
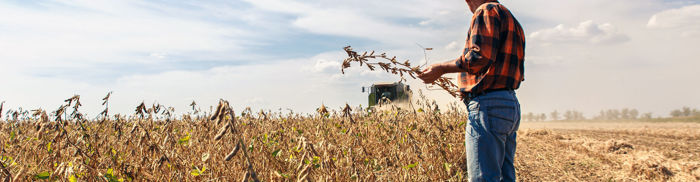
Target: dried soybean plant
105, 103
1, 105
394, 67
141, 109
323, 111
75, 101
194, 108
224, 112
347, 112
41, 114
61, 109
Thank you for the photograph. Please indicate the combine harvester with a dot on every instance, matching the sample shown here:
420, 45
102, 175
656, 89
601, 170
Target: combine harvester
384, 94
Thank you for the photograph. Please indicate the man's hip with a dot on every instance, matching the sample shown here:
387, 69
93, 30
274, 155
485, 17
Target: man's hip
496, 111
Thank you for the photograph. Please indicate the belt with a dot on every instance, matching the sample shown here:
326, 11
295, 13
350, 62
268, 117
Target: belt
470, 95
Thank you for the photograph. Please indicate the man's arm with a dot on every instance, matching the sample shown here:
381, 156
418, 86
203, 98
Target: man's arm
435, 71
479, 54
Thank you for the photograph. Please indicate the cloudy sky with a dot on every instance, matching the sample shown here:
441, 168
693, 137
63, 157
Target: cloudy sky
586, 55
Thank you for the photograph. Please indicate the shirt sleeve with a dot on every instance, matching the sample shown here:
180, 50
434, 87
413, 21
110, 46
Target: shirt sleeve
483, 43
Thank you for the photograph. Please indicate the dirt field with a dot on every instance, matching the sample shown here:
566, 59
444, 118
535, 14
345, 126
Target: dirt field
609, 151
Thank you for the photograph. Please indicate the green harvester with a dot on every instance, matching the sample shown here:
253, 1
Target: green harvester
392, 91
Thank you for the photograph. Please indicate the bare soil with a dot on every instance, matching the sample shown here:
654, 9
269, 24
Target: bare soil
608, 151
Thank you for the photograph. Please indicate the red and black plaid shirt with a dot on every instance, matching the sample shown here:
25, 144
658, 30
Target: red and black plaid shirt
494, 54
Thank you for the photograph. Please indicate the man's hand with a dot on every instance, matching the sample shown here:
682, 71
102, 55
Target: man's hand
432, 73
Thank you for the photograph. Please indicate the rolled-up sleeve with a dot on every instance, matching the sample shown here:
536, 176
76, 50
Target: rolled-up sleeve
483, 42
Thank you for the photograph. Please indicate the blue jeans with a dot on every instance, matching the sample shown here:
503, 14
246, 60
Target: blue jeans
490, 136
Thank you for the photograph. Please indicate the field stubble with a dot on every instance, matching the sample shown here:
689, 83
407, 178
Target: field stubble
609, 151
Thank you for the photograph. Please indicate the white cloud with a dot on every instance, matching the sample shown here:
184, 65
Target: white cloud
585, 32
685, 20
348, 23
290, 6
453, 46
80, 33
374, 20
326, 66
159, 55
75, 34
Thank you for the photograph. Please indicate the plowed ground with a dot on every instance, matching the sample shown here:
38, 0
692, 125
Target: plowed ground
605, 151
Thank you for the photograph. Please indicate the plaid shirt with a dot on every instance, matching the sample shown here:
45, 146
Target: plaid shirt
494, 54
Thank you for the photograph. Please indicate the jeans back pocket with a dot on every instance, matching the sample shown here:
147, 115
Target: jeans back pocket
502, 118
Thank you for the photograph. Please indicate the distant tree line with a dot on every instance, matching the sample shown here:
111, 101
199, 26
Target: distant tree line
534, 117
685, 112
554, 116
609, 114
621, 114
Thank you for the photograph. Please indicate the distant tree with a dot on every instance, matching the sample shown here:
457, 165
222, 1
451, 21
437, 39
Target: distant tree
543, 117
569, 115
633, 114
612, 114
625, 113
676, 113
554, 115
686, 111
530, 116
647, 116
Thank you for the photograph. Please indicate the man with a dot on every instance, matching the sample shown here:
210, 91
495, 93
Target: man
491, 68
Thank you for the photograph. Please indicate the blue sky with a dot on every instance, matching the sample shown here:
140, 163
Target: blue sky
582, 54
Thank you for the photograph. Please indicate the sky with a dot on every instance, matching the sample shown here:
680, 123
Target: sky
584, 55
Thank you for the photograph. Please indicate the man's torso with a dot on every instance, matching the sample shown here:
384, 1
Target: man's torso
507, 68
